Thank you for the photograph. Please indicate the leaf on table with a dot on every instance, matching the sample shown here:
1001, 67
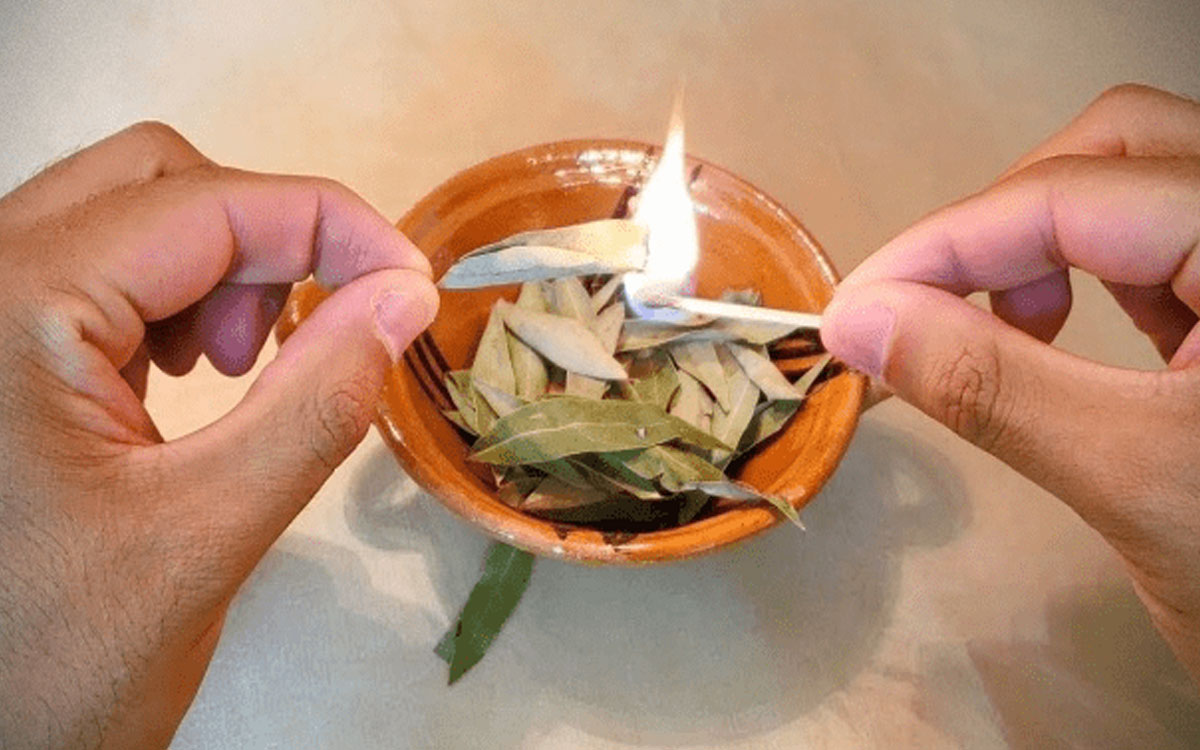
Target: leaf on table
506, 573
768, 419
605, 293
699, 359
564, 426
731, 490
529, 370
608, 246
492, 364
565, 342
805, 383
764, 373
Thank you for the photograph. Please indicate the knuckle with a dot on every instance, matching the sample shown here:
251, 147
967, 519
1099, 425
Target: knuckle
341, 417
158, 144
968, 397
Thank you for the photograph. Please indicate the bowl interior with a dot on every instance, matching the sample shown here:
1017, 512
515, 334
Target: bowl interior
747, 240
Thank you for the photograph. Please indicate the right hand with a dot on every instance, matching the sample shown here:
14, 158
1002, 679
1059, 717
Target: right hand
1116, 194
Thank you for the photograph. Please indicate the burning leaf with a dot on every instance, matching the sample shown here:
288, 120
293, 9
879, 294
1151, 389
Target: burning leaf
597, 247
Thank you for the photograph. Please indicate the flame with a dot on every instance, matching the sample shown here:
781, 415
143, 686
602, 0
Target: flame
666, 210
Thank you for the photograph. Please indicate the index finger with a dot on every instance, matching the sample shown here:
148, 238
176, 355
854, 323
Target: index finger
165, 244
1126, 120
1130, 221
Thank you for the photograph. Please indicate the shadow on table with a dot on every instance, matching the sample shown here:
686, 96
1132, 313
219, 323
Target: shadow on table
1105, 678
722, 647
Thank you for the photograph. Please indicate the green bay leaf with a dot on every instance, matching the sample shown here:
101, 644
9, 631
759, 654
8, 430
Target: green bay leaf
506, 573
563, 426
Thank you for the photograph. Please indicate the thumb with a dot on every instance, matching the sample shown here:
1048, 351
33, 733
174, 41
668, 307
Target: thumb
258, 466
1069, 424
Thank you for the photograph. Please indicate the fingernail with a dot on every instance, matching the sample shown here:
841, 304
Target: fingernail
401, 314
860, 336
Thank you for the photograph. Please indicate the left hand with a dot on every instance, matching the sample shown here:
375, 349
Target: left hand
119, 552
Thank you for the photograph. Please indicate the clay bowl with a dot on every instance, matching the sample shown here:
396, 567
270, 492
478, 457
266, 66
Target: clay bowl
747, 240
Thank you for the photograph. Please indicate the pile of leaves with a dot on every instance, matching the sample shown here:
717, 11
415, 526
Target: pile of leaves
588, 415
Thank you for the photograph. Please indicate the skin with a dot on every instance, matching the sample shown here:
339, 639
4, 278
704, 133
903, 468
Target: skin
1115, 194
119, 552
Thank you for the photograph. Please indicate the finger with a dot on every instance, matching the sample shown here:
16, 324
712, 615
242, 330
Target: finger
1029, 404
173, 342
1039, 307
137, 154
166, 245
234, 321
136, 372
1127, 120
1132, 221
260, 464
1156, 312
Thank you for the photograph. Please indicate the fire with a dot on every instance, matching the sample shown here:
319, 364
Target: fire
666, 210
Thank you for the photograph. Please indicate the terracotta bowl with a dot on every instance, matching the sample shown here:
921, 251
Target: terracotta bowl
747, 240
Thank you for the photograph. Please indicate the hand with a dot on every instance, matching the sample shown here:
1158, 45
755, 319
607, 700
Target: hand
1116, 194
119, 552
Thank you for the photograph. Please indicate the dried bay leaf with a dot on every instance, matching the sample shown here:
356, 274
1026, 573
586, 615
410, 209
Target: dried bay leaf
764, 373
456, 417
731, 490
529, 371
608, 326
688, 403
557, 427
660, 386
458, 385
768, 419
565, 342
749, 296
605, 293
805, 383
665, 465
699, 359
597, 247
492, 364
506, 573
728, 425
571, 300
502, 403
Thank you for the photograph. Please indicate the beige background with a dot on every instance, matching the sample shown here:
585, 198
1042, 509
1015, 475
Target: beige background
937, 600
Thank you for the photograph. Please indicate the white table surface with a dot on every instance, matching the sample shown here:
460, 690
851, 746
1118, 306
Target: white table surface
937, 600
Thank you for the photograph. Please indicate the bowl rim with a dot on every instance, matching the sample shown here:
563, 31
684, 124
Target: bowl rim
582, 545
